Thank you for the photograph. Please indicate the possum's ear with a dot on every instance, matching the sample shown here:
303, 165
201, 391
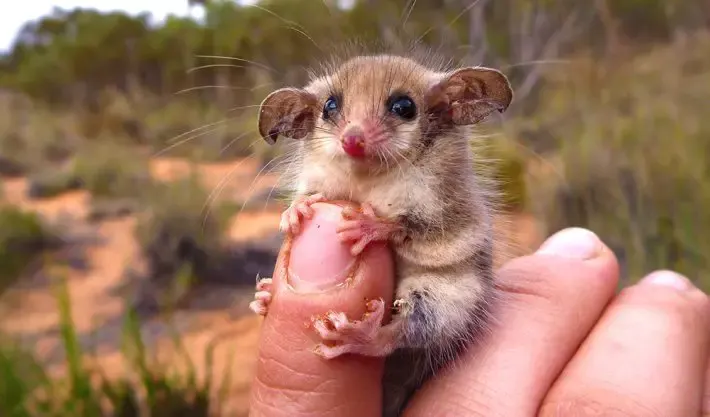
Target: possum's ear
468, 95
290, 112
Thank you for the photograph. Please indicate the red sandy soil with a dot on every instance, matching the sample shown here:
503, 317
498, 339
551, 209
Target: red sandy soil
34, 311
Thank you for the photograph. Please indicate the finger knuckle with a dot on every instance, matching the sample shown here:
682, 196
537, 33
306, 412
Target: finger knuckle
613, 405
676, 309
297, 390
537, 281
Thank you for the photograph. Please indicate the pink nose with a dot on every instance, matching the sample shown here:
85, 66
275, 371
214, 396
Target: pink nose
354, 144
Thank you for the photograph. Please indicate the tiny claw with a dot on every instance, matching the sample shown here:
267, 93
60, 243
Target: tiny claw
351, 336
264, 284
398, 305
330, 352
367, 210
349, 213
358, 247
363, 227
372, 305
259, 307
262, 296
291, 217
306, 211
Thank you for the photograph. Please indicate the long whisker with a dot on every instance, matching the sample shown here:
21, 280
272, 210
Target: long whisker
203, 87
191, 70
541, 61
183, 141
292, 25
273, 187
288, 22
197, 129
327, 7
260, 65
262, 85
408, 9
253, 184
233, 141
469, 7
218, 188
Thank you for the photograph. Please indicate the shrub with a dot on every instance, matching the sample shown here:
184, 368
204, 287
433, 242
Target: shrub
109, 169
103, 208
46, 184
178, 235
23, 239
33, 135
10, 167
630, 156
105, 169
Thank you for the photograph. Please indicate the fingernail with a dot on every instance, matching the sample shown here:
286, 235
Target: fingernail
318, 260
574, 243
668, 279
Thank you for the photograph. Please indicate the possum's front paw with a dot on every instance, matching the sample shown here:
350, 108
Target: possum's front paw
363, 337
301, 207
363, 227
262, 297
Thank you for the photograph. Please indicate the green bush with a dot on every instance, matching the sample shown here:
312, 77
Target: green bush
47, 184
630, 156
23, 239
181, 233
10, 167
33, 135
109, 169
103, 209
106, 169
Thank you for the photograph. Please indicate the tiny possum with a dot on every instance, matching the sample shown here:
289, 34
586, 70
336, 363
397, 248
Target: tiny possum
392, 134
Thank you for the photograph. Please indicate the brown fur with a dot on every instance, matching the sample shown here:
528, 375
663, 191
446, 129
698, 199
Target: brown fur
419, 174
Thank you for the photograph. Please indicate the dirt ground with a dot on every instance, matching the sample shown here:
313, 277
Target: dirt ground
32, 312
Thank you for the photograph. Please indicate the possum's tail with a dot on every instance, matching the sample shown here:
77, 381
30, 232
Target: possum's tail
405, 371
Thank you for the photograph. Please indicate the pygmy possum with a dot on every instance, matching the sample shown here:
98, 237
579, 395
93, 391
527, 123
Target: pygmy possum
392, 134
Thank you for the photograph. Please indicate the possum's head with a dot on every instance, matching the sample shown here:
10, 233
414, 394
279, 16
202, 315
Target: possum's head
374, 110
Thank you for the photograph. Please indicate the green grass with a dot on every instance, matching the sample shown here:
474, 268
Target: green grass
153, 390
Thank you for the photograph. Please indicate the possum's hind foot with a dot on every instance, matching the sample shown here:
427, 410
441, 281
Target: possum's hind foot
262, 297
300, 207
363, 227
362, 337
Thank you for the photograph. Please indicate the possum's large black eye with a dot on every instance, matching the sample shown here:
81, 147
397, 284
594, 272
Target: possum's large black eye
403, 106
330, 108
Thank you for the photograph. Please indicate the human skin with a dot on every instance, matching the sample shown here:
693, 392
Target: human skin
563, 343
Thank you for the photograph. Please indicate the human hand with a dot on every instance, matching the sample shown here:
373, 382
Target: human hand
563, 343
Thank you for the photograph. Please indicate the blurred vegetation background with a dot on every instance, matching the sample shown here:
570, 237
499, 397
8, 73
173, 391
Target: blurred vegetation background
608, 130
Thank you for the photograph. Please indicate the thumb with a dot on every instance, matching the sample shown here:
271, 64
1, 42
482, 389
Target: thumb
315, 273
